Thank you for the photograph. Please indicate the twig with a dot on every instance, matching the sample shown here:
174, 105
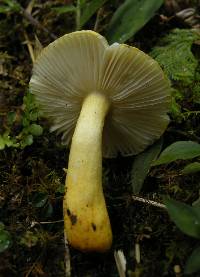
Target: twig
38, 47
50, 222
30, 6
185, 134
149, 202
137, 253
35, 22
33, 223
30, 47
67, 257
120, 262
33, 265
96, 25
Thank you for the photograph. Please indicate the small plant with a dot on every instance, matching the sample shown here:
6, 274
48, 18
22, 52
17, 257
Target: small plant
46, 192
83, 10
29, 239
181, 150
175, 56
187, 219
26, 120
30, 116
5, 238
129, 17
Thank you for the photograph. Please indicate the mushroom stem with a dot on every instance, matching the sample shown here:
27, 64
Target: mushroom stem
87, 224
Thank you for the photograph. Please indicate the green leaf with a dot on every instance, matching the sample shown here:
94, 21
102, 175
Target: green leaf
142, 165
193, 262
186, 218
11, 117
64, 9
4, 9
61, 189
14, 5
47, 210
39, 199
2, 143
82, 2
6, 140
28, 140
25, 122
130, 17
196, 203
2, 226
36, 130
11, 6
191, 168
33, 115
88, 9
5, 239
180, 150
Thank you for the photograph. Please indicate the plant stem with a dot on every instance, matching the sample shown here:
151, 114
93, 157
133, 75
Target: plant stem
99, 14
78, 15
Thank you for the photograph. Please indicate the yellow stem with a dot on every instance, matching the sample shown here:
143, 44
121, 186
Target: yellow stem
87, 224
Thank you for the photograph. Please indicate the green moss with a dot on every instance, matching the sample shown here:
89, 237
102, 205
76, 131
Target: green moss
174, 55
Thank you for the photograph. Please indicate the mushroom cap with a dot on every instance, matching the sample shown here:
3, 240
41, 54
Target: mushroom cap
82, 62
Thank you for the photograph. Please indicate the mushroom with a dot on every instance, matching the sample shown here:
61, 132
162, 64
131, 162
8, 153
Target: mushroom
105, 100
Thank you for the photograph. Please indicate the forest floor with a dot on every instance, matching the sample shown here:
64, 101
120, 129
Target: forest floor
31, 164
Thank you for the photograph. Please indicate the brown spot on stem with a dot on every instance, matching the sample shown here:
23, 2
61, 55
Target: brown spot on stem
72, 217
94, 227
